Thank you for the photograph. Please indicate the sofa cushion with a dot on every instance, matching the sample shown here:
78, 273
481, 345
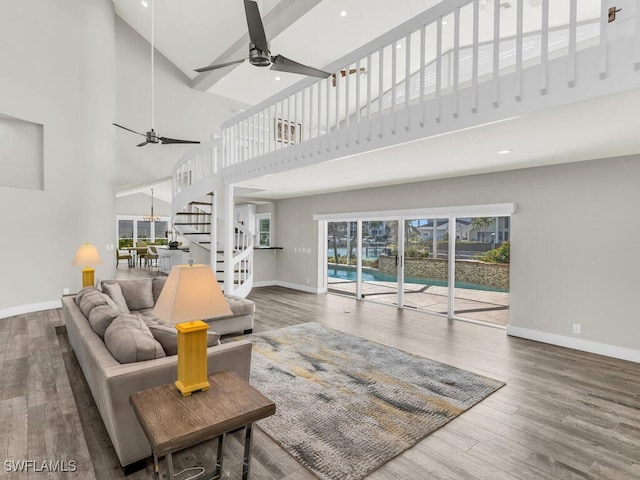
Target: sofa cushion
114, 291
137, 293
239, 306
89, 298
129, 340
100, 317
167, 335
157, 284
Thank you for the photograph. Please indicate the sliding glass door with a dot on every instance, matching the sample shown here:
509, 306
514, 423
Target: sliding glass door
482, 269
450, 265
341, 257
380, 260
426, 265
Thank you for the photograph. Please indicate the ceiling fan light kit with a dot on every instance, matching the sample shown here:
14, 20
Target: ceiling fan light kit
259, 53
152, 136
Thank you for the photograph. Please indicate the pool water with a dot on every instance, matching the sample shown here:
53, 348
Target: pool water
343, 272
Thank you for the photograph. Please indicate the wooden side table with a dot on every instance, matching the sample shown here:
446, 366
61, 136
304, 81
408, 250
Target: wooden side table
172, 422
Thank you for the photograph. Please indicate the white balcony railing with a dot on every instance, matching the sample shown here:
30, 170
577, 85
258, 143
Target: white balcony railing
458, 59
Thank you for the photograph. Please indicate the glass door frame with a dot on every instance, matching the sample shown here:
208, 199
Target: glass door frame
451, 213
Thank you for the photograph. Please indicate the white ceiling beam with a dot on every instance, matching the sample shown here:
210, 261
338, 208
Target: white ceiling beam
283, 15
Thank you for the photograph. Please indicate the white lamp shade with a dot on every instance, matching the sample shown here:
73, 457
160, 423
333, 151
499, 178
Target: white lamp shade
86, 256
191, 292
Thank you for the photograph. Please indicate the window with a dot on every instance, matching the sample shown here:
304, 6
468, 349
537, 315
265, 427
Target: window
133, 229
125, 233
263, 229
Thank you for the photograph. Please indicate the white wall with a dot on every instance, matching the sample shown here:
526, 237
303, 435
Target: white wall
58, 64
180, 111
140, 204
574, 243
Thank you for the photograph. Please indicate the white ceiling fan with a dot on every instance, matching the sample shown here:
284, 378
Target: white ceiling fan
152, 136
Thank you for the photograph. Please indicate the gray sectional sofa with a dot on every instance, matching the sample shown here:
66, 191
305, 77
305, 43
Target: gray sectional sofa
122, 353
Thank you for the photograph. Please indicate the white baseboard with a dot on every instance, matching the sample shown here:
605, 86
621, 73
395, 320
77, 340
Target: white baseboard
576, 343
265, 283
34, 307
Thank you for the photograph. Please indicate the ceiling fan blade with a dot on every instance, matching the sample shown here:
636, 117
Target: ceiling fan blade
165, 140
283, 64
217, 66
142, 144
128, 129
254, 23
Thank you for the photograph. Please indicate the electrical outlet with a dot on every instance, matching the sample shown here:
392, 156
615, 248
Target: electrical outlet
65, 291
576, 328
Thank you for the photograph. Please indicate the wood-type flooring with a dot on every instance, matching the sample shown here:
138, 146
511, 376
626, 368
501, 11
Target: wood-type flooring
563, 414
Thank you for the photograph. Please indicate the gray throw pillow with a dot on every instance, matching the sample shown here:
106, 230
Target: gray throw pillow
129, 340
167, 335
157, 284
89, 298
101, 317
137, 293
115, 292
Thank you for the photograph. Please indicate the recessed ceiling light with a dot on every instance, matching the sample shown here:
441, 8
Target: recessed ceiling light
277, 79
398, 45
444, 22
343, 13
144, 4
506, 151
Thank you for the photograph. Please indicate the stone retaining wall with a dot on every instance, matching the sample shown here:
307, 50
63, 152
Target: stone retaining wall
493, 275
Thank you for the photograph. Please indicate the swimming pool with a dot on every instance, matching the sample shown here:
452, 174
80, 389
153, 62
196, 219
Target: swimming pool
345, 272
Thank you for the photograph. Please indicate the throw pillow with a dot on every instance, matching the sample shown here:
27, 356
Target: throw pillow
89, 298
129, 340
115, 292
167, 335
101, 317
157, 284
137, 292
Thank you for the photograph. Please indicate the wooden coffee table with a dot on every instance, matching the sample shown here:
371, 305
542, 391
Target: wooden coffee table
173, 422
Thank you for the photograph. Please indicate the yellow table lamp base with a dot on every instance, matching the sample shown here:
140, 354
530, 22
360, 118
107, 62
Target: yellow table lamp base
88, 277
192, 357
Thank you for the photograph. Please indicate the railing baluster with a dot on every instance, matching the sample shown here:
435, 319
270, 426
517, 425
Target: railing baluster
369, 96
380, 89
328, 100
338, 88
474, 69
287, 136
407, 79
347, 110
439, 70
423, 56
357, 101
456, 63
636, 64
294, 133
573, 20
495, 83
394, 93
604, 39
519, 35
544, 48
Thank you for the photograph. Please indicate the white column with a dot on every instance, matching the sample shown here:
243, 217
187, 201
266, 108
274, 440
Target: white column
228, 229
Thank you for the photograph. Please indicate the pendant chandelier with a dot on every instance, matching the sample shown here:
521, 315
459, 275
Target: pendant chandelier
152, 217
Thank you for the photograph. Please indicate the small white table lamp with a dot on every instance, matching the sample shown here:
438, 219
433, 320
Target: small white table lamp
190, 293
87, 256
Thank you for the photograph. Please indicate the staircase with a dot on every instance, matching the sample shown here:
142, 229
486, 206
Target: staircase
196, 221
460, 64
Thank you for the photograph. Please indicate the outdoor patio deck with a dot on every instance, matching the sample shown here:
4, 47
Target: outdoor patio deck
478, 305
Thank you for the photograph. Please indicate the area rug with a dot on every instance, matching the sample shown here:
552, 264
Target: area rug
346, 405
